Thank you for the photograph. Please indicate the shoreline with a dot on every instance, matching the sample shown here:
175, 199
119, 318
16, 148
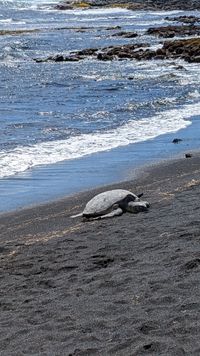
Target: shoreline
138, 178
64, 179
36, 183
133, 176
127, 285
123, 286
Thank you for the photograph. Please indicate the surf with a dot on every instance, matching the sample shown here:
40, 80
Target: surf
23, 158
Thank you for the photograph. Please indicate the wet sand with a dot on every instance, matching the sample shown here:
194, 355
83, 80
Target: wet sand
123, 286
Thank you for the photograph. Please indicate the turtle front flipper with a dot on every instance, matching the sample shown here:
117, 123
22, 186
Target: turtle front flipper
115, 212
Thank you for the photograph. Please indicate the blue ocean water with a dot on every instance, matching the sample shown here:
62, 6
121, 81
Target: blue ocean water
70, 126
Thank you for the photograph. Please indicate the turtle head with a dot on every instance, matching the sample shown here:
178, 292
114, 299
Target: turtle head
137, 206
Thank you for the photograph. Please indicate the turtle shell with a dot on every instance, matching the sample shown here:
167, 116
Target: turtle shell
102, 203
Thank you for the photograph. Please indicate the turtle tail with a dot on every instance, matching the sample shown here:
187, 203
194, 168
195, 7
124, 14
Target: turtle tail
140, 195
76, 216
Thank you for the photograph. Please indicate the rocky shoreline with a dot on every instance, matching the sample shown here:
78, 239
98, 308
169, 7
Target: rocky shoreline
132, 5
185, 48
188, 49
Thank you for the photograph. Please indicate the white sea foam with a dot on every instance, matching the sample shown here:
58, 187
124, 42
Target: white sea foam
6, 21
194, 94
151, 23
22, 158
24, 4
155, 46
155, 103
11, 21
173, 12
100, 11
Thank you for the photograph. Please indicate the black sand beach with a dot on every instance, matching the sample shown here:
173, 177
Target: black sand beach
123, 286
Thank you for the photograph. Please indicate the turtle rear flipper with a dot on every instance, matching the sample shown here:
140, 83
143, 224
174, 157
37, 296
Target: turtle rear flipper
76, 216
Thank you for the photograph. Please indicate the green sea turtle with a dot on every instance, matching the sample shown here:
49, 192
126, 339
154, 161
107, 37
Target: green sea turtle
113, 203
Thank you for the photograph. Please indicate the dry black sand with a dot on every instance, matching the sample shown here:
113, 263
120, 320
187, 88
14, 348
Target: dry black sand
123, 286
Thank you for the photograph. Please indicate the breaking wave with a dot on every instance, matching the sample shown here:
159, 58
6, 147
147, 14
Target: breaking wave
24, 157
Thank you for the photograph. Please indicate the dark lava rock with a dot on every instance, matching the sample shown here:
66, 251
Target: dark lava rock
63, 6
132, 5
125, 51
86, 52
113, 28
171, 31
125, 34
188, 155
164, 5
177, 140
104, 57
58, 58
194, 59
17, 32
186, 49
184, 19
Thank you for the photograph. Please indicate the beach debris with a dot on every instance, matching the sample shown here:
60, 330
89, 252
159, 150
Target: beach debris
113, 203
188, 155
177, 140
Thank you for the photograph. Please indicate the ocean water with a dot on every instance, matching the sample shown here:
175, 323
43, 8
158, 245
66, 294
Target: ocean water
71, 126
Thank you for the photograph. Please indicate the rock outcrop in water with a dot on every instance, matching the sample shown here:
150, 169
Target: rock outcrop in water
132, 5
17, 32
107, 53
184, 19
164, 5
172, 31
125, 34
187, 49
